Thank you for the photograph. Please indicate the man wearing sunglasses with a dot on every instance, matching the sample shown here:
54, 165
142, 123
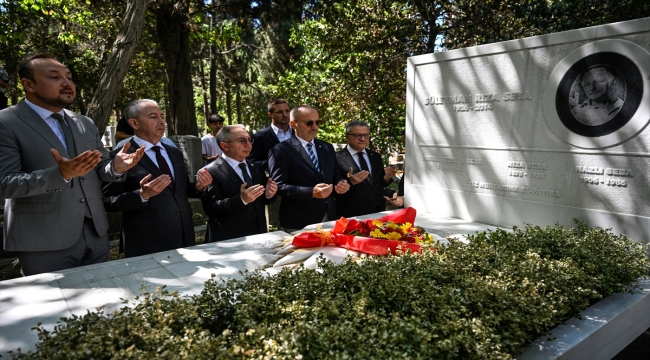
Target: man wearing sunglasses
239, 191
365, 171
305, 170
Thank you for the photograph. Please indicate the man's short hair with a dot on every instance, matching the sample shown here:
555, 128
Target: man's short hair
355, 123
274, 102
215, 118
299, 109
25, 68
133, 110
225, 134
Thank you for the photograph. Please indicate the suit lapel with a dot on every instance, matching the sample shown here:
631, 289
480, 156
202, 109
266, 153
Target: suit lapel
176, 157
270, 135
145, 161
377, 164
77, 131
228, 171
255, 175
297, 146
33, 120
349, 161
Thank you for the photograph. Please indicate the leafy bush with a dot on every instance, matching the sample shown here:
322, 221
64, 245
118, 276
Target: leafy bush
482, 300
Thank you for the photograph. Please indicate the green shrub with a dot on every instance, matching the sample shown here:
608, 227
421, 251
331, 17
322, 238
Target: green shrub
484, 300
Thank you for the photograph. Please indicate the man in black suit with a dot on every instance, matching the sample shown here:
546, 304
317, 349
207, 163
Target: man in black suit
267, 138
365, 171
156, 214
305, 170
235, 200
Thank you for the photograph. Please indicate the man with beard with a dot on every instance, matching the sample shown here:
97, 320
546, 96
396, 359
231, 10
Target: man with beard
52, 163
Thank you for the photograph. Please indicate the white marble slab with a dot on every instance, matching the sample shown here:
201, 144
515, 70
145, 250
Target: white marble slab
45, 298
608, 326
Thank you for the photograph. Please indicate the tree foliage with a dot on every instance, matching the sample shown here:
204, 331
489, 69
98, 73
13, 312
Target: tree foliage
345, 57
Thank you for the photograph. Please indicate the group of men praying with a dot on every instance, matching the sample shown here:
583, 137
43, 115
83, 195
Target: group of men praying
58, 180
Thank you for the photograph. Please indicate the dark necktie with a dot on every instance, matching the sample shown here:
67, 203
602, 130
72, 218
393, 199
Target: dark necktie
312, 156
71, 151
162, 163
364, 166
247, 178
69, 142
362, 162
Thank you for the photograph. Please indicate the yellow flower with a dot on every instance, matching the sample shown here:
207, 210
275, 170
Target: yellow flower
394, 236
406, 227
377, 234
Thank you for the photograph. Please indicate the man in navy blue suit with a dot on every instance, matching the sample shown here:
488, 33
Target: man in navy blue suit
267, 138
305, 170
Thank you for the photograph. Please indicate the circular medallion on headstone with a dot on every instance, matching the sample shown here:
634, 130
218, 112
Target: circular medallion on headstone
597, 96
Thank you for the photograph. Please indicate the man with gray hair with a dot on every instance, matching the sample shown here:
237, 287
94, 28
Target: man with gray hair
365, 171
154, 197
239, 190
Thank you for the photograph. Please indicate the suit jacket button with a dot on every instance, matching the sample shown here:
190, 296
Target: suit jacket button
82, 179
178, 213
82, 200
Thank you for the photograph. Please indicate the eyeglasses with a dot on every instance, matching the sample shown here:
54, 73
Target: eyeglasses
242, 141
311, 122
360, 136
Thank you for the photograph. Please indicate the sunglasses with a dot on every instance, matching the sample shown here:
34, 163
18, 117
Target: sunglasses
360, 136
310, 123
242, 141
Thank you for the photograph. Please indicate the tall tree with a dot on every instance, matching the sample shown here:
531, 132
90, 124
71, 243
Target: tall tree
173, 30
112, 78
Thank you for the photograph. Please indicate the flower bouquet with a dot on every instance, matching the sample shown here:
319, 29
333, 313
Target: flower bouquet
372, 236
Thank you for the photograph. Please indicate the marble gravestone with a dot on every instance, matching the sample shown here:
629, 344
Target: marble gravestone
538, 130
190, 146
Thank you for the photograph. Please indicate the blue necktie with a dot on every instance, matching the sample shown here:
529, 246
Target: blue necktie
312, 156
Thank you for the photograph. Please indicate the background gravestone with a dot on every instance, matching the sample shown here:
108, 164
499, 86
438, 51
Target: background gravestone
538, 130
190, 146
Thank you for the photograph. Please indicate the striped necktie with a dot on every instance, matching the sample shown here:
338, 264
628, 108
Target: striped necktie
312, 156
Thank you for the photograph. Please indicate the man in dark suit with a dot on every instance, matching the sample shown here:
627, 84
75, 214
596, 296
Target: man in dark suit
365, 171
156, 214
305, 170
52, 163
239, 190
267, 138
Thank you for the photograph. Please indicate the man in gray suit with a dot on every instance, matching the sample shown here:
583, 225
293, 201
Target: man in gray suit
52, 163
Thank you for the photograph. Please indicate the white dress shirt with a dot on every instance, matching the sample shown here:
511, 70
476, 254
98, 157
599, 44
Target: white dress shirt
355, 157
313, 147
152, 154
281, 134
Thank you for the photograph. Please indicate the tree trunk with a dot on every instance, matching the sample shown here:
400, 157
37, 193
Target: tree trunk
238, 106
173, 30
229, 102
204, 92
112, 79
213, 68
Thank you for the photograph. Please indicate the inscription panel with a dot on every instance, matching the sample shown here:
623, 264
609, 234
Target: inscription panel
559, 125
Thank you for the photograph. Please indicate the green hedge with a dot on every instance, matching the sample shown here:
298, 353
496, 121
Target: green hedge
486, 299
